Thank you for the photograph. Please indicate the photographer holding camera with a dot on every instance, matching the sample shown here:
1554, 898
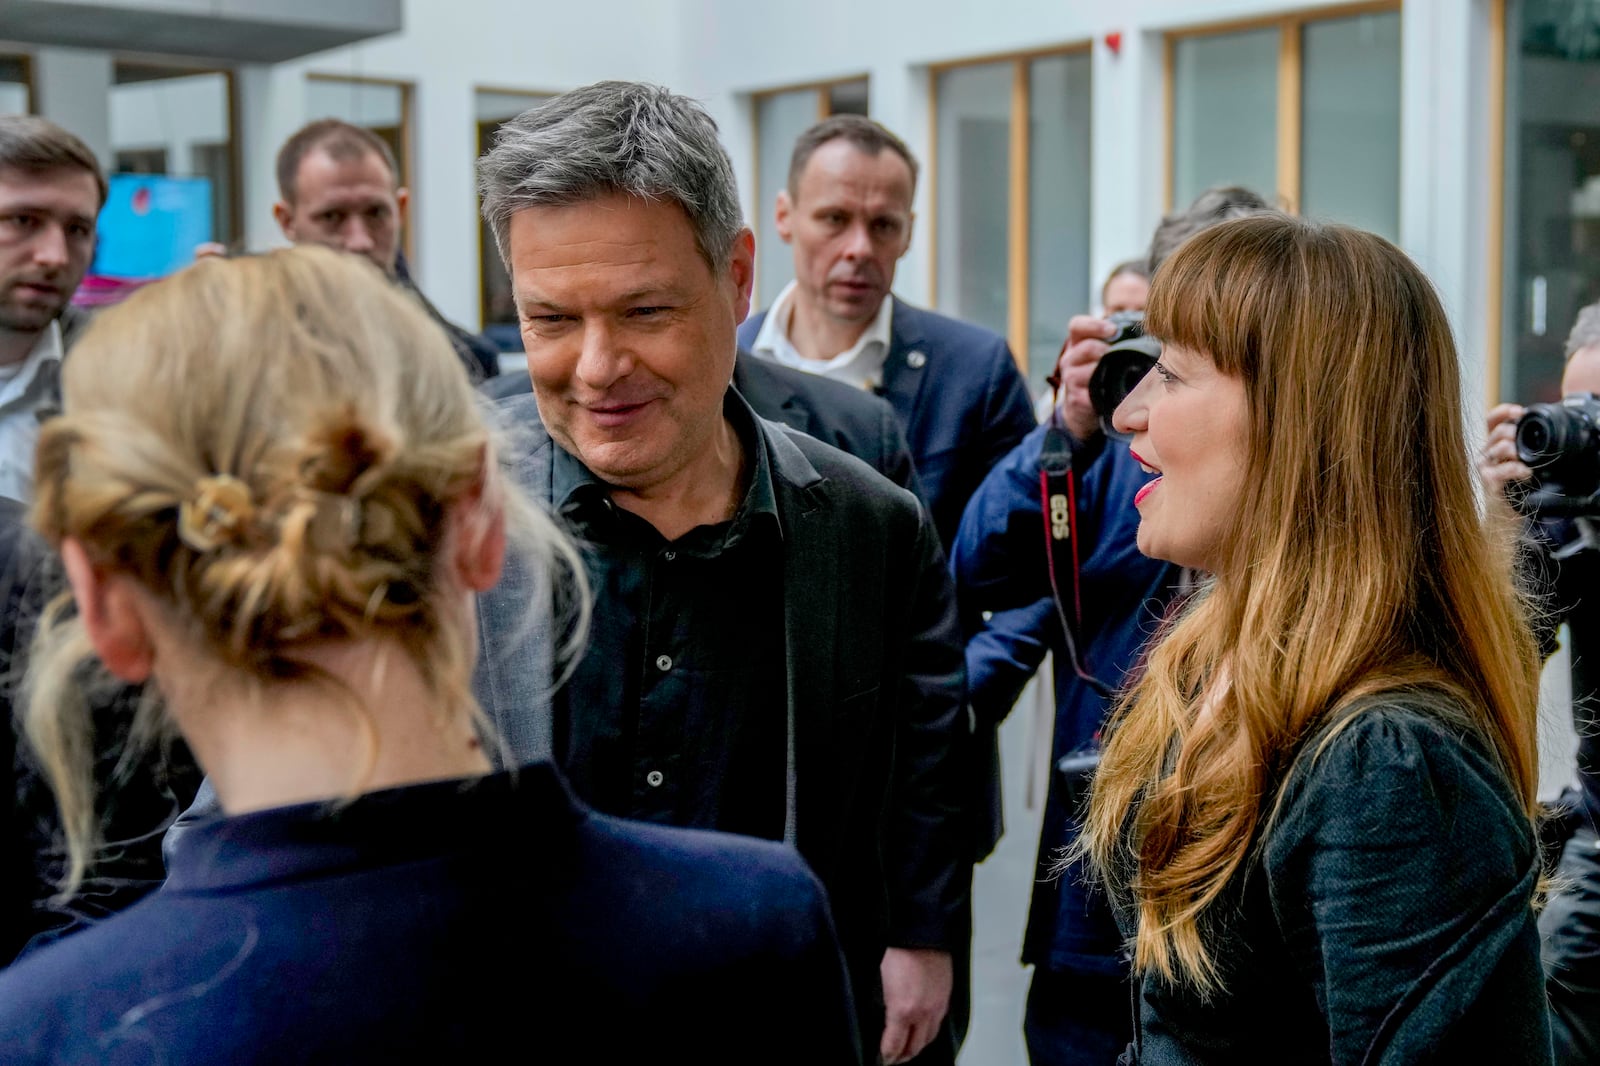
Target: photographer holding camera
1092, 600
1546, 459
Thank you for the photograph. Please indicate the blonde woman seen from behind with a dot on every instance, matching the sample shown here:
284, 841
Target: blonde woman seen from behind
1314, 811
275, 499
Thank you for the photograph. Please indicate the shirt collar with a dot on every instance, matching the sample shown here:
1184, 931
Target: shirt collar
33, 386
772, 340
575, 489
410, 823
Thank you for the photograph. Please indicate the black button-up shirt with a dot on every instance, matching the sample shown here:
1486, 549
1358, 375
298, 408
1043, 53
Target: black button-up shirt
677, 711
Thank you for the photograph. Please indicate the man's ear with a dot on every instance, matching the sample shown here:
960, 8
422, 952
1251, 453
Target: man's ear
402, 200
111, 614
783, 216
285, 217
742, 271
911, 227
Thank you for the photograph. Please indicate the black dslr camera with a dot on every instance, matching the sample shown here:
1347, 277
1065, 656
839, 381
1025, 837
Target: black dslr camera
1561, 443
1126, 362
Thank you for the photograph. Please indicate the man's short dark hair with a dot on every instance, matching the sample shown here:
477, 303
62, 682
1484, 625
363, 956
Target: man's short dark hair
342, 141
1217, 204
38, 146
860, 131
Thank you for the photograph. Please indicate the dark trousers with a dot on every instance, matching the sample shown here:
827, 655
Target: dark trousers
1077, 1019
1570, 931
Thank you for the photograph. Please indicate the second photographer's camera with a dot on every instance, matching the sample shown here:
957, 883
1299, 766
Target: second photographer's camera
1128, 359
1561, 443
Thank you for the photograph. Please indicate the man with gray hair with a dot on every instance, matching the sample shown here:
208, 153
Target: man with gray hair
774, 648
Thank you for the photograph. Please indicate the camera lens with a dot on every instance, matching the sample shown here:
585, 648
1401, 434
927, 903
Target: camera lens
1533, 438
1119, 372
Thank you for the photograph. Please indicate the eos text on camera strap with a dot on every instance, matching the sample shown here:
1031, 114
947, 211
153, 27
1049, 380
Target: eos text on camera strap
1058, 505
1058, 495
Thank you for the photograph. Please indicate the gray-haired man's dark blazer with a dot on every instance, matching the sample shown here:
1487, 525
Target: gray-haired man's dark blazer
875, 693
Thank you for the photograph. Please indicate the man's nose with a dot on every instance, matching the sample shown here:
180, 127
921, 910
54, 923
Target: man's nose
357, 237
858, 242
602, 362
50, 247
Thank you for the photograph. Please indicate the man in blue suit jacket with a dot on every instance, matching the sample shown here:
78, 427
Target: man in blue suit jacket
847, 215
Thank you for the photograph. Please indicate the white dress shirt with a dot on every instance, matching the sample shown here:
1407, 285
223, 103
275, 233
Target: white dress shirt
860, 365
27, 390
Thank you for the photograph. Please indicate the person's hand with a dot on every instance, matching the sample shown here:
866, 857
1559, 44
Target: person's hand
916, 995
1086, 343
1498, 464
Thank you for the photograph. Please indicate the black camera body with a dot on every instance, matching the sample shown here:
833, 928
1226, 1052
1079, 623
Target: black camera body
1560, 442
1128, 359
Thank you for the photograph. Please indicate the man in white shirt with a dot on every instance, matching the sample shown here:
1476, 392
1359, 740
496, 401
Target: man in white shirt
51, 192
846, 213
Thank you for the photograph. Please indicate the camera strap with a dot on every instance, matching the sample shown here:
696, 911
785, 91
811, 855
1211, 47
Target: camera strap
1058, 505
1058, 495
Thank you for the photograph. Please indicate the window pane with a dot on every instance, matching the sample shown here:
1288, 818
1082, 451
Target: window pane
13, 85
974, 192
1552, 213
780, 119
1058, 206
173, 122
1225, 113
848, 97
1350, 139
498, 312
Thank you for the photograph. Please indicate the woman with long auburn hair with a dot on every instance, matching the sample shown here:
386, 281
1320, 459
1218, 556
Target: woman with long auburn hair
1315, 808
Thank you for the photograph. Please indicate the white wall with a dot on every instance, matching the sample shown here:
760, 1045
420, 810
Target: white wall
175, 113
449, 49
722, 51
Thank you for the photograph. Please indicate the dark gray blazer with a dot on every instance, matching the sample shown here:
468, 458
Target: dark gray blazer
876, 685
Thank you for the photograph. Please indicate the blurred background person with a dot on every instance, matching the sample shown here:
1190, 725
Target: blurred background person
287, 545
846, 214
1561, 560
51, 191
339, 186
1127, 287
1125, 290
1314, 811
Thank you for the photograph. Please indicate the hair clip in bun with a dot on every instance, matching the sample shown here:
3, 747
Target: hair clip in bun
217, 514
335, 524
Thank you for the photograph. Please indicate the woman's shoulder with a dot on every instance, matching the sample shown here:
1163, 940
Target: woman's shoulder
1401, 767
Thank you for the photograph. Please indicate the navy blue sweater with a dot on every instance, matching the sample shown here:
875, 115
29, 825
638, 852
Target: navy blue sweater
447, 923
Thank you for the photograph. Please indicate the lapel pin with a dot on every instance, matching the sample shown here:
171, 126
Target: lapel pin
916, 360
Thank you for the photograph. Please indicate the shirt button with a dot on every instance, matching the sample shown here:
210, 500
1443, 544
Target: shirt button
663, 663
654, 778
669, 556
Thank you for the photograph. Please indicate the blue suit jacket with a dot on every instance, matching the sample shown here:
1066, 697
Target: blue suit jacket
960, 397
